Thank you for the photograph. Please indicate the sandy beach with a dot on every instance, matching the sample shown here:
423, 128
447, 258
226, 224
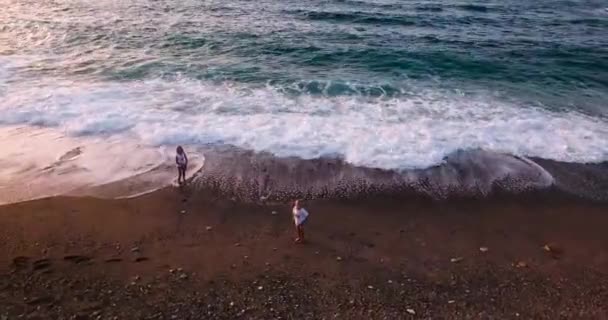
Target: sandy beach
172, 255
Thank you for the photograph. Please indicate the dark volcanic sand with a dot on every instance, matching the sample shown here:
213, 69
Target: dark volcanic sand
84, 258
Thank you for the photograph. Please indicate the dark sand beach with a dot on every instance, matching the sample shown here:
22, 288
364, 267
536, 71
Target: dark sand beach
171, 255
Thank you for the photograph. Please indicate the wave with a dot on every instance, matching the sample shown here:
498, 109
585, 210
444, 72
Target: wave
415, 129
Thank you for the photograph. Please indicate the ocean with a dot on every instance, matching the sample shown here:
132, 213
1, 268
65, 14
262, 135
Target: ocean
402, 92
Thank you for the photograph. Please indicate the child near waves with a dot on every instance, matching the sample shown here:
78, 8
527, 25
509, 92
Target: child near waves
182, 164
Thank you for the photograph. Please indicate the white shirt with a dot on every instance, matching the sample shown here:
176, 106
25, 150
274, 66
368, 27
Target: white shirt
299, 215
181, 159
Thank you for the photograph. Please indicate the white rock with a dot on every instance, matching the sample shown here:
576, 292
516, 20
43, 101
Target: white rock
410, 311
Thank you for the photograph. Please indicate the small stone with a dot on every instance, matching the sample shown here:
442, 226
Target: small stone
451, 301
456, 260
339, 258
183, 276
553, 250
183, 212
209, 228
390, 281
237, 244
171, 270
136, 278
274, 213
245, 257
231, 304
483, 249
317, 252
370, 287
274, 249
135, 249
267, 264
260, 288
180, 269
521, 264
410, 311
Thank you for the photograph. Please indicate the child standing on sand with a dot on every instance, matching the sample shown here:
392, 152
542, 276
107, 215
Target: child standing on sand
182, 164
299, 216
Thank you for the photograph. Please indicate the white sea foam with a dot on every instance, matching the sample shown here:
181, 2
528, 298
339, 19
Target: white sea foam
414, 131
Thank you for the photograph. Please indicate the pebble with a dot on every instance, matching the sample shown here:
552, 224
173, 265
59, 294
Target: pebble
521, 264
410, 311
274, 213
135, 249
483, 249
451, 301
370, 287
237, 244
390, 281
456, 260
339, 258
209, 228
260, 288
183, 276
183, 212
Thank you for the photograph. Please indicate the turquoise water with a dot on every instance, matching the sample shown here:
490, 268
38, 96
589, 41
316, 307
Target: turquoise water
380, 83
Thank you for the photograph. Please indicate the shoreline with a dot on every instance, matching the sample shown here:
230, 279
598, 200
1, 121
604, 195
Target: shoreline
141, 258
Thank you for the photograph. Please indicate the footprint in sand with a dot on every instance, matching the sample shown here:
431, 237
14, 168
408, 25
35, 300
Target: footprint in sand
20, 262
41, 264
77, 259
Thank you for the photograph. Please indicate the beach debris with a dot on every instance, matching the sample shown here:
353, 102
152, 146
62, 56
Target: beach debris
208, 228
553, 250
483, 249
410, 311
521, 264
456, 260
338, 258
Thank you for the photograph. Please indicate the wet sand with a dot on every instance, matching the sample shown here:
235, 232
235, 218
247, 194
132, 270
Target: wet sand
178, 255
